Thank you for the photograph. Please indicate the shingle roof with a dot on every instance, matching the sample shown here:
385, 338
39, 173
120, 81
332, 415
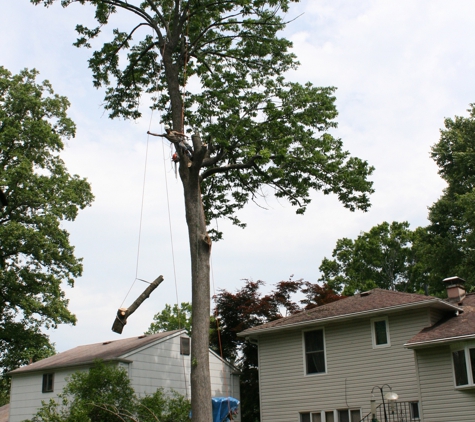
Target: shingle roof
82, 355
450, 329
5, 413
373, 301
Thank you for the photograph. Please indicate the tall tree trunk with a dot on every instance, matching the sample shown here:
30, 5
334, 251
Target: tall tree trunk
200, 250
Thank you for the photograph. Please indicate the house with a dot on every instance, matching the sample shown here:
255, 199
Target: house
326, 364
152, 361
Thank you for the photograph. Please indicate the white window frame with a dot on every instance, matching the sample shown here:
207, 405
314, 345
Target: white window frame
373, 333
335, 414
305, 353
466, 347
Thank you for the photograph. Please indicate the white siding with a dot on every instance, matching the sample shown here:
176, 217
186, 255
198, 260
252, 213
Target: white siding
157, 366
353, 368
26, 395
160, 366
441, 402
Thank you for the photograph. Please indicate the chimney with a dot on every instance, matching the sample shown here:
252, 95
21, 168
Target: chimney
455, 288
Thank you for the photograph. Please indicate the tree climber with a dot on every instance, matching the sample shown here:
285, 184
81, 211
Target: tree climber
177, 138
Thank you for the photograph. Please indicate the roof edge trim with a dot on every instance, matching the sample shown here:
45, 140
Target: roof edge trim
347, 316
438, 341
24, 369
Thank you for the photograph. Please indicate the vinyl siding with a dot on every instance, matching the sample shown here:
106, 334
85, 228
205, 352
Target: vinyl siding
353, 367
435, 315
162, 366
26, 395
441, 402
156, 366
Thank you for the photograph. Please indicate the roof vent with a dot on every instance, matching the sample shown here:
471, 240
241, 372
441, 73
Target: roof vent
107, 342
142, 336
362, 294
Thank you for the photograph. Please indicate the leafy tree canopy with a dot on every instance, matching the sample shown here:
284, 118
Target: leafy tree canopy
172, 318
450, 236
261, 130
381, 258
35, 253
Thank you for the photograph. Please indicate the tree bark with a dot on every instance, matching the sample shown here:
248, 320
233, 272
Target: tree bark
200, 251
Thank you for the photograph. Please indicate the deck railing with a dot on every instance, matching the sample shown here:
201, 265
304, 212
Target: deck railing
395, 412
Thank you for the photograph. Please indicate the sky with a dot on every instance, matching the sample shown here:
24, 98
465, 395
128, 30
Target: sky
400, 68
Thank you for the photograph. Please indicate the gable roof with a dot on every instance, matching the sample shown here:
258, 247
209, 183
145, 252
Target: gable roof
453, 328
87, 354
367, 303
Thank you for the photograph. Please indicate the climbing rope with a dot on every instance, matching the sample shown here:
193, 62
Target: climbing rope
141, 216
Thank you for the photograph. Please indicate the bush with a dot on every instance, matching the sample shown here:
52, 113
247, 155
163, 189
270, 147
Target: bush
104, 394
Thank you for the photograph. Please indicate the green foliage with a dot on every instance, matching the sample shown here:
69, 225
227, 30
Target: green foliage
450, 245
162, 408
392, 256
35, 253
381, 258
262, 131
100, 392
170, 319
104, 394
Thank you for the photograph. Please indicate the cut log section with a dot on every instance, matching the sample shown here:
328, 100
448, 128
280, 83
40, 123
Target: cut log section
124, 313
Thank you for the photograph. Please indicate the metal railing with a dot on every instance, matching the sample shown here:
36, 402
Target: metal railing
395, 412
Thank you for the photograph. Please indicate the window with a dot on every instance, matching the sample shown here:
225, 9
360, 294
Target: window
185, 346
464, 366
415, 410
48, 383
314, 352
310, 417
380, 332
349, 415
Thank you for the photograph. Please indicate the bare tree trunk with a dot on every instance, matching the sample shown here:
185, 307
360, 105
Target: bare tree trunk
200, 250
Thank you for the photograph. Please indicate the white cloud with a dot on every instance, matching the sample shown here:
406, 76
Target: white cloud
400, 68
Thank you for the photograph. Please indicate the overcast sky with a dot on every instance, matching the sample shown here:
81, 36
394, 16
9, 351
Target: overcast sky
400, 67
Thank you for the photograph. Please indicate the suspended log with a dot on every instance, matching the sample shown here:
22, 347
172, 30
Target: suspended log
124, 313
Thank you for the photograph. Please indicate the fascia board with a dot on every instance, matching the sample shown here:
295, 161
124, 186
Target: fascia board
445, 340
85, 364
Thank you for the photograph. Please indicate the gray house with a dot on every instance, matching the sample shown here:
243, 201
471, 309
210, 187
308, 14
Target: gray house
154, 361
326, 364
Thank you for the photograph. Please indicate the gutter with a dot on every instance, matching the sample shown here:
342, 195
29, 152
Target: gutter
257, 332
24, 369
438, 341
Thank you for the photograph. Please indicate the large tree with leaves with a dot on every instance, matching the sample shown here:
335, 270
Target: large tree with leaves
382, 257
449, 239
36, 256
254, 129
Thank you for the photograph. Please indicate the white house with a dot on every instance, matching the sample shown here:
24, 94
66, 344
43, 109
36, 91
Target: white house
152, 361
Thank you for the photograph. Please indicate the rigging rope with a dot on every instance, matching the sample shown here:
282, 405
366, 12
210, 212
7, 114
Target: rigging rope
141, 215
